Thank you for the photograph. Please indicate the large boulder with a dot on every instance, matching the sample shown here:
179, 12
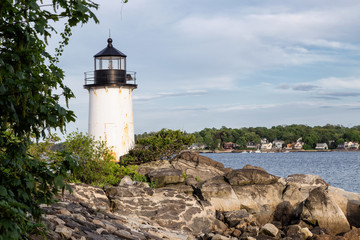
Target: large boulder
248, 176
257, 191
219, 193
198, 166
349, 203
319, 210
166, 207
298, 187
166, 176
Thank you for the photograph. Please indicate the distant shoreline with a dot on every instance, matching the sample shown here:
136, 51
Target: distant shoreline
270, 151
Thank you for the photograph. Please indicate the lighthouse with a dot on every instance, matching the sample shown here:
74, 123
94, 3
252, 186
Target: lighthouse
110, 88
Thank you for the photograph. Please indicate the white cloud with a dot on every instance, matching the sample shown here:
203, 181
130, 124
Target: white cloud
339, 83
169, 94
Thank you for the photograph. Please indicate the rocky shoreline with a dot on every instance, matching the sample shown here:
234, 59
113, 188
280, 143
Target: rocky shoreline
197, 198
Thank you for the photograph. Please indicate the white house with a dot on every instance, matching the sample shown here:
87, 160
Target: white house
321, 146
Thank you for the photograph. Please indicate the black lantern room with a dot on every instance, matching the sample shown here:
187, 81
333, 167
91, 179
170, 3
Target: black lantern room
110, 69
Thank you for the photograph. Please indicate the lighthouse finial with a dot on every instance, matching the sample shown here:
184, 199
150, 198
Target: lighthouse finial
109, 42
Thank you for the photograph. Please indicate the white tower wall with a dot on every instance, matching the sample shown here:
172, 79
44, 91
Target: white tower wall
111, 117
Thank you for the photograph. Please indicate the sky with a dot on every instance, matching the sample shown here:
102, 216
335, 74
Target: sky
230, 63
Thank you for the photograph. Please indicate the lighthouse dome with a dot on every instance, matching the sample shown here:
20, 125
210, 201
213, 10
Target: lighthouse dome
109, 51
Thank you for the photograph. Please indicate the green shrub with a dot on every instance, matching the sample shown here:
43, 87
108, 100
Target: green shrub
164, 144
96, 162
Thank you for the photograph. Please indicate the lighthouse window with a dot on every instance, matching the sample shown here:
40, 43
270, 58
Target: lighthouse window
98, 64
123, 64
103, 63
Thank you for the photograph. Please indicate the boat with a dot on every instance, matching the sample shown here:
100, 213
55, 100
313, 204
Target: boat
258, 151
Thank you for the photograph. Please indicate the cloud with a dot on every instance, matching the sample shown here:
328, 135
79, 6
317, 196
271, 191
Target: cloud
340, 83
305, 87
283, 86
326, 97
330, 44
169, 94
240, 107
340, 94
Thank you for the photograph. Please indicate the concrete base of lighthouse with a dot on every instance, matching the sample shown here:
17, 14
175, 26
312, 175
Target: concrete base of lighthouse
111, 117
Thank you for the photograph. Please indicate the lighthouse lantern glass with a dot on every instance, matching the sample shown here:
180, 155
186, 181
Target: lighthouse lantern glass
111, 62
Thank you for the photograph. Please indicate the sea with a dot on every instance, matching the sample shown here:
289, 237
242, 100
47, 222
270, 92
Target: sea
339, 169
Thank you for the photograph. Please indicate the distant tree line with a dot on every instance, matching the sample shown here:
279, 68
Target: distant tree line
215, 138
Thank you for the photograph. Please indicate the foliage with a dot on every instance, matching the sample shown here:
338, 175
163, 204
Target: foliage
160, 145
96, 162
30, 107
215, 138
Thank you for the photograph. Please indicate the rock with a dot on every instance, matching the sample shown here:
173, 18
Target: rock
237, 233
306, 232
348, 202
181, 188
197, 166
292, 194
93, 196
248, 166
64, 212
65, 232
219, 237
125, 181
219, 193
302, 185
98, 222
307, 179
191, 181
292, 230
219, 226
164, 206
233, 218
319, 209
166, 176
354, 234
261, 198
149, 166
269, 229
241, 177
327, 237
285, 213
79, 217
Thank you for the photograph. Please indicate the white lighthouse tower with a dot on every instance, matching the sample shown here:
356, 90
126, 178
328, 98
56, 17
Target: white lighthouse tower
110, 89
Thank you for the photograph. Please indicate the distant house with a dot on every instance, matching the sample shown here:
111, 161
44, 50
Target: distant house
278, 144
228, 145
348, 146
289, 146
264, 141
266, 146
341, 146
331, 144
298, 145
321, 146
251, 145
354, 146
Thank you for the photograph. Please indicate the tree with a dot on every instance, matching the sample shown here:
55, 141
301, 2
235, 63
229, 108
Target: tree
29, 107
162, 145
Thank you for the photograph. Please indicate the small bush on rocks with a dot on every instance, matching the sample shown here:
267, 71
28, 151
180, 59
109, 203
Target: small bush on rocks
162, 145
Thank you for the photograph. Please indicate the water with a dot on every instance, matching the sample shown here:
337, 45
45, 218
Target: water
339, 169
